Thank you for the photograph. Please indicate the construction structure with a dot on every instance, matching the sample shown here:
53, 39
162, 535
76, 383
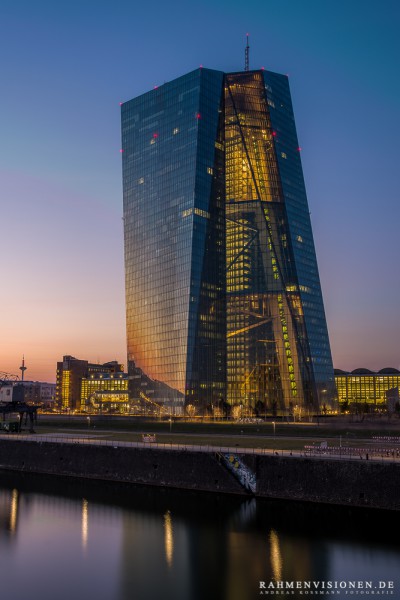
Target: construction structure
12, 411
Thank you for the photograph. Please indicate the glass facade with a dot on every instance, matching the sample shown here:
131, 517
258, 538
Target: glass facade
222, 290
174, 232
299, 233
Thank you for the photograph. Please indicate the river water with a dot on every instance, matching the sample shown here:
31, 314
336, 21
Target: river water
64, 539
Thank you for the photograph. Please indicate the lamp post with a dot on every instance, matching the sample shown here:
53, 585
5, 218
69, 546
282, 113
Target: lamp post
324, 407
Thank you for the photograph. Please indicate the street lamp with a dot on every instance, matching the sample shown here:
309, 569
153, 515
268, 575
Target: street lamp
324, 407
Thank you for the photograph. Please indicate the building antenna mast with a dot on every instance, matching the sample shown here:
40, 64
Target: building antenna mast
246, 54
23, 368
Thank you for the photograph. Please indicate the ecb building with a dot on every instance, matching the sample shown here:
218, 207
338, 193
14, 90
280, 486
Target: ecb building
223, 298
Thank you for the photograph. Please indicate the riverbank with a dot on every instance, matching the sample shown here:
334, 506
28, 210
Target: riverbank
320, 479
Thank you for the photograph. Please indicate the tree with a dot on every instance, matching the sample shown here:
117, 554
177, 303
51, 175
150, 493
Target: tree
259, 408
226, 409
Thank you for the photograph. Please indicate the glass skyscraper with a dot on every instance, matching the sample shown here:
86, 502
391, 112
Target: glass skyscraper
223, 299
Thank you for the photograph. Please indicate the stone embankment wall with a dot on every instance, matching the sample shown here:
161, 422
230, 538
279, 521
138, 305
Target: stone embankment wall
322, 480
328, 481
147, 466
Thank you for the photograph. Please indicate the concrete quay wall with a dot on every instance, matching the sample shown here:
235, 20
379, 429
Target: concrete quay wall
328, 481
145, 466
321, 480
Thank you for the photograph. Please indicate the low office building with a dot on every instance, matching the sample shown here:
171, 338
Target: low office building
70, 373
105, 392
365, 388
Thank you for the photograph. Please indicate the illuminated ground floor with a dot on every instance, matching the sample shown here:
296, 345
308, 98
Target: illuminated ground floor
368, 390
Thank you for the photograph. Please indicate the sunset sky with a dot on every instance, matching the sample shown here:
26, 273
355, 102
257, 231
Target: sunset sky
66, 66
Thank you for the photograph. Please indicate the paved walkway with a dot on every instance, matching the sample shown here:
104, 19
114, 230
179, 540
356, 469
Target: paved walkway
96, 440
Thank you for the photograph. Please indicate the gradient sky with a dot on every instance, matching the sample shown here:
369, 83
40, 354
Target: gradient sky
65, 66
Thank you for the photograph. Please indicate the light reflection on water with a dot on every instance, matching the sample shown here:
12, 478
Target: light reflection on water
85, 531
276, 557
169, 538
13, 510
73, 540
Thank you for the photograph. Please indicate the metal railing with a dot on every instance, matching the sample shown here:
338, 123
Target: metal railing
314, 452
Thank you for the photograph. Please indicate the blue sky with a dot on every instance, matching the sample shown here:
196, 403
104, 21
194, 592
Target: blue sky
65, 66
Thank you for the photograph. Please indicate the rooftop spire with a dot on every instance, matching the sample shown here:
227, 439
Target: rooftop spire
246, 54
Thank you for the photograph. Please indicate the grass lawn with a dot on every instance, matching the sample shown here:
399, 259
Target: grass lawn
287, 436
325, 428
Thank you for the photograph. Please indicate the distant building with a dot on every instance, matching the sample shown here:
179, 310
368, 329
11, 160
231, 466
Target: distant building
6, 392
26, 391
70, 373
48, 393
365, 387
105, 392
35, 392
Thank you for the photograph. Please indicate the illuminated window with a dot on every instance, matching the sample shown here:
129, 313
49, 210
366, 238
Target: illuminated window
201, 213
283, 154
176, 130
